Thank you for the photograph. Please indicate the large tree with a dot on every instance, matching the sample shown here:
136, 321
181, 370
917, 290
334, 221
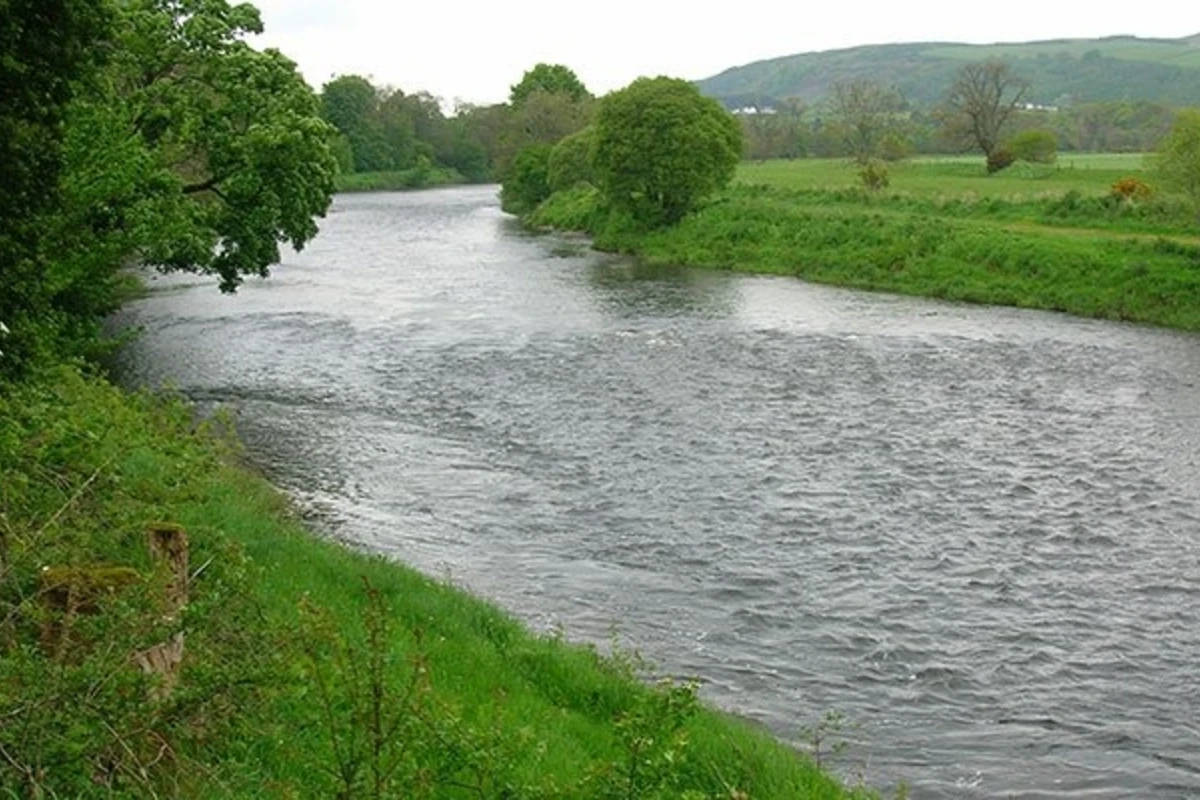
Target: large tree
213, 153
982, 99
867, 113
661, 147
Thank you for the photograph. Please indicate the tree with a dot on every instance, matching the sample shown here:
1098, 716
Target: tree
1177, 160
48, 48
661, 147
199, 152
351, 104
549, 78
982, 99
867, 114
782, 134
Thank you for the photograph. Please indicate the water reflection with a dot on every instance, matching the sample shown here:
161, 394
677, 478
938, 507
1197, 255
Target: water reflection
627, 288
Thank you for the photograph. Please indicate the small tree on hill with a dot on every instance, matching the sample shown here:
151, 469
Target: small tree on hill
661, 147
982, 99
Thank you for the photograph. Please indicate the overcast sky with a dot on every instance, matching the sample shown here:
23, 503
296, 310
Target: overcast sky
476, 50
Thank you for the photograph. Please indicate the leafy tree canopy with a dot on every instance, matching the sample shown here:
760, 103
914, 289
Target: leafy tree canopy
213, 152
550, 78
661, 147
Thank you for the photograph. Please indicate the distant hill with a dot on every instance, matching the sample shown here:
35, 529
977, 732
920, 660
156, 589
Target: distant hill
1060, 71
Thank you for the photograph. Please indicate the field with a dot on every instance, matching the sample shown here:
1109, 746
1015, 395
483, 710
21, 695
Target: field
1092, 173
1050, 237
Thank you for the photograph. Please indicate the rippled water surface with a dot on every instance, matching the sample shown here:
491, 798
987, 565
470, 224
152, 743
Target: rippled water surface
975, 532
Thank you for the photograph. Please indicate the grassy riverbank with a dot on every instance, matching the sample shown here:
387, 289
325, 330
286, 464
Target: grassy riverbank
310, 670
1053, 238
426, 177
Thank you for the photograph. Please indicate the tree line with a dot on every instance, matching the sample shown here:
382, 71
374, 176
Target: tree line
381, 128
795, 129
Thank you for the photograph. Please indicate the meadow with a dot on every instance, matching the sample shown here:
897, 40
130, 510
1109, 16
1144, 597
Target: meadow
1056, 237
950, 176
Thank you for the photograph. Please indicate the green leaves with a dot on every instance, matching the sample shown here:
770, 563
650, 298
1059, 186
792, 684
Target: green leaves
231, 158
551, 79
661, 148
1177, 161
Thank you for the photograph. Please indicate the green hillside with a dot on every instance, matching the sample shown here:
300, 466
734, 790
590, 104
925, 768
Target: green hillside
1060, 71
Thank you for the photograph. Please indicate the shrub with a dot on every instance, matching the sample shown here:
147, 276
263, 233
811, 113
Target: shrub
874, 175
1036, 145
1131, 190
527, 183
1000, 159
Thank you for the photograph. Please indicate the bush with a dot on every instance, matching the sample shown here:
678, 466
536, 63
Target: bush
571, 160
1131, 190
1000, 159
527, 183
1037, 145
874, 175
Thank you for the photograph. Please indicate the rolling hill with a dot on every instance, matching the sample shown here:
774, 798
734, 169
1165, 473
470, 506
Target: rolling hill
1060, 71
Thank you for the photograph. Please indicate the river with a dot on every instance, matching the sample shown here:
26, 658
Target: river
972, 531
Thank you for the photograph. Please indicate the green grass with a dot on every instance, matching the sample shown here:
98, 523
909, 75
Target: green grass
1053, 238
397, 180
289, 640
955, 176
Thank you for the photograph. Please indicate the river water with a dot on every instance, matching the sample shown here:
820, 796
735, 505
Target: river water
974, 532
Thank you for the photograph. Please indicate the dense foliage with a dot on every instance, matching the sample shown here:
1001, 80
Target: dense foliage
48, 47
528, 180
551, 79
186, 149
1177, 161
385, 130
571, 160
1034, 145
661, 148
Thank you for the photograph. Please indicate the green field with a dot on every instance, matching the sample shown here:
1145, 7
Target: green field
1092, 173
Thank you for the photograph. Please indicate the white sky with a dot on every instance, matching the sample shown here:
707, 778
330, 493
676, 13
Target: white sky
475, 50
